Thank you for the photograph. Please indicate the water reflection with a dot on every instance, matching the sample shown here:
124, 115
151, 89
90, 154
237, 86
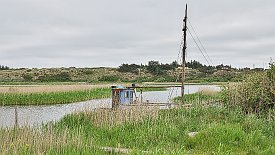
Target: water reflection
166, 96
36, 115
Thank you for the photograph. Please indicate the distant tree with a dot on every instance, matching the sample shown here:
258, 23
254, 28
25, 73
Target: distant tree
154, 67
219, 67
194, 64
2, 67
175, 64
133, 68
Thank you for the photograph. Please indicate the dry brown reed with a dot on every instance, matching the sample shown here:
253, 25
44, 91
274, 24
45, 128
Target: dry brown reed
25, 140
110, 118
207, 91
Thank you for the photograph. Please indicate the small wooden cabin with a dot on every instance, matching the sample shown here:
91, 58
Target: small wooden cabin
122, 95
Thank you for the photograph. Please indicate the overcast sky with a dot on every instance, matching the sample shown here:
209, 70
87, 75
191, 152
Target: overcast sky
92, 33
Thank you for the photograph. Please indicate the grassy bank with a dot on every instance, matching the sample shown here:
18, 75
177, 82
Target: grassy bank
179, 84
42, 96
203, 96
53, 97
220, 131
197, 98
151, 89
23, 89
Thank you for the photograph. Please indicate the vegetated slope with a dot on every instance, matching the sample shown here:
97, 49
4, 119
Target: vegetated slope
153, 71
63, 75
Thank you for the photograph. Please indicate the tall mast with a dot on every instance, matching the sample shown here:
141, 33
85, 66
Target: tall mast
184, 53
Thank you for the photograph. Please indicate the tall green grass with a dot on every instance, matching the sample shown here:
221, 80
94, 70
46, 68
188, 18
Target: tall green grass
148, 130
30, 141
200, 98
220, 130
53, 97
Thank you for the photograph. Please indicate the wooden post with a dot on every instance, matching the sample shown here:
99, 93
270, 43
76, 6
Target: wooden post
141, 97
184, 54
15, 117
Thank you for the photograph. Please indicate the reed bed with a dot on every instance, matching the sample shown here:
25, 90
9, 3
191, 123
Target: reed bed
151, 89
220, 130
46, 88
111, 118
53, 97
55, 94
202, 97
30, 141
208, 91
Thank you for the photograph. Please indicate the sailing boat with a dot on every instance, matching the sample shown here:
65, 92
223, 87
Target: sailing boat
127, 95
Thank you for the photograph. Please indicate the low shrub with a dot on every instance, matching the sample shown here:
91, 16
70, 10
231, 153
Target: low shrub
254, 94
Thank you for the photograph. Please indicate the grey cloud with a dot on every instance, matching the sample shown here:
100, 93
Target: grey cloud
37, 33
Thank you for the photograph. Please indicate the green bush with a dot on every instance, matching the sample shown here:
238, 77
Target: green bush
27, 77
254, 94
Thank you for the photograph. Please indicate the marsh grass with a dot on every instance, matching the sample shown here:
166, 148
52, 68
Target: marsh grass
220, 130
111, 118
208, 91
30, 141
205, 96
148, 129
56, 94
151, 89
48, 98
48, 88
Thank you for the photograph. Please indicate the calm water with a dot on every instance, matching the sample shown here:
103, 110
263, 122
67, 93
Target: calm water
36, 115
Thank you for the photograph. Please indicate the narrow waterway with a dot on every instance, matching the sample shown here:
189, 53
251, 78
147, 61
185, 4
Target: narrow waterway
37, 115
